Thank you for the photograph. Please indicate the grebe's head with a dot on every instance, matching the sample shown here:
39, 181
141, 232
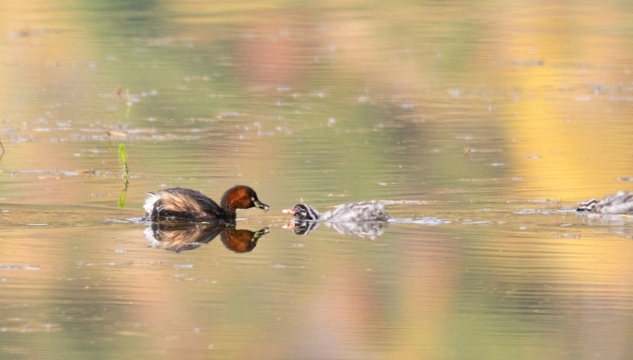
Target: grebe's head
303, 212
241, 197
588, 206
242, 240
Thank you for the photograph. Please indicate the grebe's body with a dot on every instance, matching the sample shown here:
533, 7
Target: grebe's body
192, 205
618, 203
352, 212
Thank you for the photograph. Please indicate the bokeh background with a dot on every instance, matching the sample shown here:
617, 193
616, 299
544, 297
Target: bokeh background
483, 122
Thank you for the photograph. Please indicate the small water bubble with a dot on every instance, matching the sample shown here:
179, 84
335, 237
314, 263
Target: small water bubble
183, 266
456, 93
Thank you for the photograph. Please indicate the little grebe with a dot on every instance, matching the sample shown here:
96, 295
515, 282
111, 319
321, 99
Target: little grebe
618, 203
192, 205
352, 212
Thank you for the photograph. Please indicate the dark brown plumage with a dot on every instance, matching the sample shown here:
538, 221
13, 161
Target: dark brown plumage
192, 205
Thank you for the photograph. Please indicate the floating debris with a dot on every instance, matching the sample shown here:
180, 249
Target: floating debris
568, 236
18, 267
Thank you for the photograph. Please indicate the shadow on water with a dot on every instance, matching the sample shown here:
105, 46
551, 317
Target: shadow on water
179, 236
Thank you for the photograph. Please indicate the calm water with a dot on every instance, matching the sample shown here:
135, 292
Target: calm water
482, 123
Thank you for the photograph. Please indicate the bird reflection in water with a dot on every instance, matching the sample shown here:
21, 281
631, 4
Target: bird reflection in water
363, 229
178, 236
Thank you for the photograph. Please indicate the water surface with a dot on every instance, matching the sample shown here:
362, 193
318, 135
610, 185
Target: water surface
482, 123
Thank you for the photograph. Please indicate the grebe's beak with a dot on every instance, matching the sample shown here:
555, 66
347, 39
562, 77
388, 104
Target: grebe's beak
288, 211
261, 205
260, 233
